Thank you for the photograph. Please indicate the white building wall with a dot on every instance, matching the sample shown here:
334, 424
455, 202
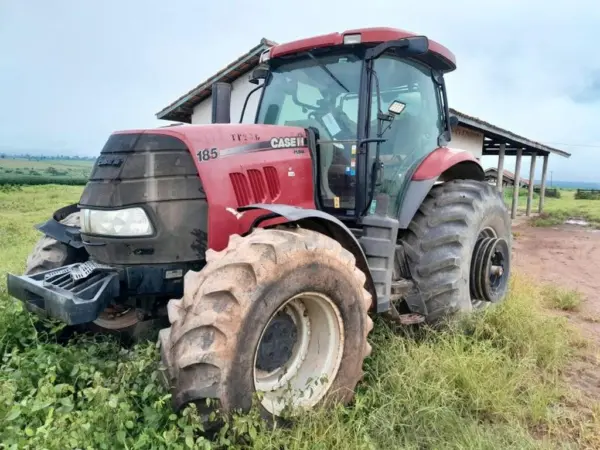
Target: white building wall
466, 139
240, 88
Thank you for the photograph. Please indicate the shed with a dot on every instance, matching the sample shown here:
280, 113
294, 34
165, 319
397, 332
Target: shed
508, 178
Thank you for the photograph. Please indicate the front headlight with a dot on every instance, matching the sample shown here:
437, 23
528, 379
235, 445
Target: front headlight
119, 222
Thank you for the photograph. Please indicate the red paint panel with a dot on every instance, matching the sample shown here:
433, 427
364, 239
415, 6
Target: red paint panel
240, 188
257, 183
325, 40
272, 182
288, 172
368, 35
439, 161
382, 34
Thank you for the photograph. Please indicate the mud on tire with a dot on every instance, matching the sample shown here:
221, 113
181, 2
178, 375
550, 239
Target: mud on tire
441, 238
211, 348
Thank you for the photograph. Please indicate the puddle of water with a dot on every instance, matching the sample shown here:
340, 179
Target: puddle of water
579, 222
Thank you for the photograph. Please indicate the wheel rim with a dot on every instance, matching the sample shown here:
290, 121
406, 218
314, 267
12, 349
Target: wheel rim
299, 353
490, 267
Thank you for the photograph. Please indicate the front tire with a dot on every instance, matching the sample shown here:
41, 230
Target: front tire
231, 333
50, 253
445, 253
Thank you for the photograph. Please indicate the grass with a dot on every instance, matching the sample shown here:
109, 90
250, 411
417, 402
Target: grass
558, 210
35, 172
493, 380
563, 299
568, 207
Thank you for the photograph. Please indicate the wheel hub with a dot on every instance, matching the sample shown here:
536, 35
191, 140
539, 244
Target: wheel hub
117, 317
276, 346
299, 352
489, 268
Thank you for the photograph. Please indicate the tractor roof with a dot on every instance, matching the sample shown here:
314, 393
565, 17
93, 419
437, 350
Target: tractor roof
368, 35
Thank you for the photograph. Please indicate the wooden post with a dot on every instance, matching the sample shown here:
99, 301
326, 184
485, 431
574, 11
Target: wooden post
517, 182
531, 183
543, 186
500, 178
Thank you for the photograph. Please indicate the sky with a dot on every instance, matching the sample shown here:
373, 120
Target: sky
72, 72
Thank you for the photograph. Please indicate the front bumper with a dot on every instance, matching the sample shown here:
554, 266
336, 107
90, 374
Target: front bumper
74, 294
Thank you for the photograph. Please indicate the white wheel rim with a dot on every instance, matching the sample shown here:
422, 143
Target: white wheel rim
307, 375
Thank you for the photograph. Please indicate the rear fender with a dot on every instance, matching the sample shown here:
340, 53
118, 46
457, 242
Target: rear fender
442, 165
323, 223
62, 233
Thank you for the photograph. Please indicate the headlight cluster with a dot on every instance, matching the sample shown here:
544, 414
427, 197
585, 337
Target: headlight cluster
119, 222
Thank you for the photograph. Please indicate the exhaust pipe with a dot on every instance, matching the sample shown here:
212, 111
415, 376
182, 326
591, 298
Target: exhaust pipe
221, 102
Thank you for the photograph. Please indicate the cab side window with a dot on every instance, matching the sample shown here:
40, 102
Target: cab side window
412, 134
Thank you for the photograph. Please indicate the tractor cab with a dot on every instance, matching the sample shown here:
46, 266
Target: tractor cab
376, 111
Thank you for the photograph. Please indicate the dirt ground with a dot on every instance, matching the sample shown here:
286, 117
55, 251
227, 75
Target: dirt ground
568, 256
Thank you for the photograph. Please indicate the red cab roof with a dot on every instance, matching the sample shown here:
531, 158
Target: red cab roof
368, 35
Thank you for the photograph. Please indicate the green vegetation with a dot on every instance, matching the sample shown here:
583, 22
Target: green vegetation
558, 210
567, 207
560, 298
587, 194
523, 193
491, 381
47, 171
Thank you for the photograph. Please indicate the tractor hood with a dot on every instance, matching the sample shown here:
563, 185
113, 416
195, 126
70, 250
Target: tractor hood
199, 175
230, 139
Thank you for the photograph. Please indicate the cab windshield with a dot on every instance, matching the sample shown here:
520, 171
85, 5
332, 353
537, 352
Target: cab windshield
323, 92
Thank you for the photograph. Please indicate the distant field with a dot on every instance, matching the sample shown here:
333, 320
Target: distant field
50, 171
557, 210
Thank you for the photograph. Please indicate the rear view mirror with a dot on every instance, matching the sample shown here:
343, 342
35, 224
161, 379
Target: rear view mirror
412, 46
260, 73
453, 122
417, 45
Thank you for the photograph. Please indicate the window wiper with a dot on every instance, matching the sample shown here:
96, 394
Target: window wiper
327, 71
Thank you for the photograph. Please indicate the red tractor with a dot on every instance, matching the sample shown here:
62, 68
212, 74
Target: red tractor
279, 239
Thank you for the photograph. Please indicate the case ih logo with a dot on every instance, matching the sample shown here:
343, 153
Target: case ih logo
287, 142
110, 161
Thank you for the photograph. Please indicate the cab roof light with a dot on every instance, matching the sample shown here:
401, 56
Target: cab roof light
350, 39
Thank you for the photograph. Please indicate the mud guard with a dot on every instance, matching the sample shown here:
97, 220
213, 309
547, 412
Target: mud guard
333, 225
443, 164
62, 233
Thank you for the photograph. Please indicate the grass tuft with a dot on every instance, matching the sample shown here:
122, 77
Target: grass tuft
563, 299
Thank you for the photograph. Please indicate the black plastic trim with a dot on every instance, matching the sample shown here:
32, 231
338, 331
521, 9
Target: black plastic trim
415, 193
62, 233
379, 236
80, 304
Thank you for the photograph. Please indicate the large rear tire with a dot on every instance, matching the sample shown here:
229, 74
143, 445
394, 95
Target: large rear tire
461, 232
273, 310
49, 254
